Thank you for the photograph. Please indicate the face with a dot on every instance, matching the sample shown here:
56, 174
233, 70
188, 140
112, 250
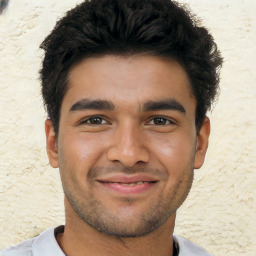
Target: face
127, 143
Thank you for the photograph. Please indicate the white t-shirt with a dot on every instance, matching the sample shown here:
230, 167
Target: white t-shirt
46, 245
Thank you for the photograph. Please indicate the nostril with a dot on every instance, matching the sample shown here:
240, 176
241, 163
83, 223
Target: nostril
128, 153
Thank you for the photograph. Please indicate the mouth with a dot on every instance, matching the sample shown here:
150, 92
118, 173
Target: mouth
128, 185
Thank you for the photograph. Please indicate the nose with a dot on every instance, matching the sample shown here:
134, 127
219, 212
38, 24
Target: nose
128, 146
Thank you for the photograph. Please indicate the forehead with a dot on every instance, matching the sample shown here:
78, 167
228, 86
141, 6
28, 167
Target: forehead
128, 80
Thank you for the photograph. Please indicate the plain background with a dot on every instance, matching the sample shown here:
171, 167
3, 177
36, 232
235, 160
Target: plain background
219, 213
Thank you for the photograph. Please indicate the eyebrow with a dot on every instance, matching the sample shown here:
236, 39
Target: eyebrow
92, 104
168, 104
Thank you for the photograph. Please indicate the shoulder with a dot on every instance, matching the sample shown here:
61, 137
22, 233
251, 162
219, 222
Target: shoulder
43, 245
21, 249
186, 247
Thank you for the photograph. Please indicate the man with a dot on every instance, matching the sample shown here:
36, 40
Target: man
126, 85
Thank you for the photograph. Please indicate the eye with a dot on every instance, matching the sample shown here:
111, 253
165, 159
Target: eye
94, 120
160, 121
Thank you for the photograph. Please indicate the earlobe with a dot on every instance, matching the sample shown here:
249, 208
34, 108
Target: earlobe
202, 143
51, 144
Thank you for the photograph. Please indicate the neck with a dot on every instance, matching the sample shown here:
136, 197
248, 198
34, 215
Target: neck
80, 239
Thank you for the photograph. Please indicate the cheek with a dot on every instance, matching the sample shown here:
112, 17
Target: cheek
175, 150
80, 152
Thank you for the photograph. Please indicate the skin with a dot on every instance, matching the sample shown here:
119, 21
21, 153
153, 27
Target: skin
142, 127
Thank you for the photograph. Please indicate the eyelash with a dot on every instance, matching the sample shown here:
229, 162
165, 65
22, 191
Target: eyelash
166, 121
85, 121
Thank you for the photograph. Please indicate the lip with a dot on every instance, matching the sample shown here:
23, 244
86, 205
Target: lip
128, 184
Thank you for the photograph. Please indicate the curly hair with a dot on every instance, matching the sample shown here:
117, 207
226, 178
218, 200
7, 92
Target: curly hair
161, 28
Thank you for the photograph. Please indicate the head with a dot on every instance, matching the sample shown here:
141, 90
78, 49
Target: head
116, 27
127, 85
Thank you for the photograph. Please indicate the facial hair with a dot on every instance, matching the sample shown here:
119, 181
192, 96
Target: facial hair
94, 212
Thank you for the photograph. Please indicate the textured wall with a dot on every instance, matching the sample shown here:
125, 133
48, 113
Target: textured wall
219, 214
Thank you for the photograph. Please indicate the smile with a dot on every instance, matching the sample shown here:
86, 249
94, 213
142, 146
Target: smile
125, 187
129, 184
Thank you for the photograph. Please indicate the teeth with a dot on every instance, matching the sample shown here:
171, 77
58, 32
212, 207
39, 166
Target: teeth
129, 184
133, 184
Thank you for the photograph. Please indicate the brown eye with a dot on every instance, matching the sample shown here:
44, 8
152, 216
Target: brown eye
94, 120
160, 121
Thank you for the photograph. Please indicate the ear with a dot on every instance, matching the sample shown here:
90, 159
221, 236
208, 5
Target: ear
51, 144
202, 143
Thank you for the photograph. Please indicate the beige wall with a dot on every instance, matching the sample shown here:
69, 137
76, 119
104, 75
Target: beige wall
219, 214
